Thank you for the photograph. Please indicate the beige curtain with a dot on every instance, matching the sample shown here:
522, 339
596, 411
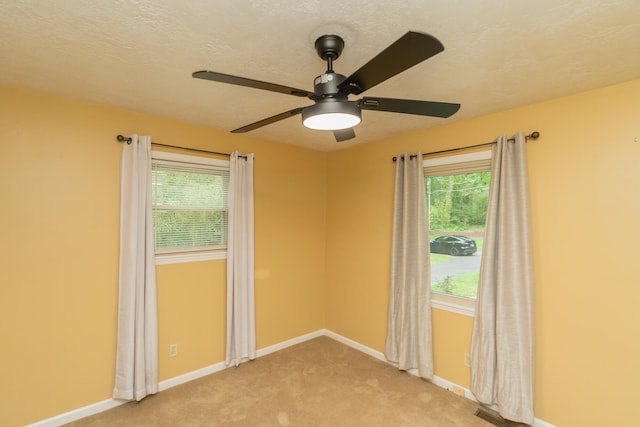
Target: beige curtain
408, 342
241, 329
137, 346
502, 340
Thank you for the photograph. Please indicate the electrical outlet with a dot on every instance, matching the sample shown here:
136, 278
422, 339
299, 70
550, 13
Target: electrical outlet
173, 350
467, 360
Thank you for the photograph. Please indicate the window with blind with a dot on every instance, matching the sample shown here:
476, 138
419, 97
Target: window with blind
190, 207
457, 189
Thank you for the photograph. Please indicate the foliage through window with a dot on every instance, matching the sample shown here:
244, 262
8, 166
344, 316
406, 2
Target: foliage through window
189, 198
457, 190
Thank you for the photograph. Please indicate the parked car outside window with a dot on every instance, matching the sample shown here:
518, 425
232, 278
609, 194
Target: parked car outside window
453, 245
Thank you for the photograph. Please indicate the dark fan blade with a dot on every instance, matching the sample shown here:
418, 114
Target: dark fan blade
409, 106
409, 50
268, 121
256, 84
344, 134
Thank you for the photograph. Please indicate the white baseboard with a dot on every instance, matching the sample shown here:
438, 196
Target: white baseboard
211, 369
291, 342
107, 404
190, 376
539, 423
353, 344
96, 408
76, 414
440, 382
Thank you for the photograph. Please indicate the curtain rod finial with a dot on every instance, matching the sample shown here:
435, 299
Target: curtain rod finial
124, 139
534, 135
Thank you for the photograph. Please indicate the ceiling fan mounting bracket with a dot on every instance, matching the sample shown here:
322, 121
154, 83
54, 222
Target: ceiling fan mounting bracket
329, 47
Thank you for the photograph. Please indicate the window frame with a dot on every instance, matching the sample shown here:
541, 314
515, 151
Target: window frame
453, 303
176, 256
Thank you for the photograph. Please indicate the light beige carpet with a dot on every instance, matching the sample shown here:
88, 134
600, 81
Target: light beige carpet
320, 382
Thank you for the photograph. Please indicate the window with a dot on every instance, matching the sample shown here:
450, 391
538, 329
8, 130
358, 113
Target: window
189, 200
458, 193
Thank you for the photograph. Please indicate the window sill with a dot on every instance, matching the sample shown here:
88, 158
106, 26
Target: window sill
177, 258
458, 305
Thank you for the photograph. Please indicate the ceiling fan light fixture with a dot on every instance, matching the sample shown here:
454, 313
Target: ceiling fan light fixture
331, 115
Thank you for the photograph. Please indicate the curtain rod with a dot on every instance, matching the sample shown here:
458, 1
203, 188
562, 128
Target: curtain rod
128, 141
532, 135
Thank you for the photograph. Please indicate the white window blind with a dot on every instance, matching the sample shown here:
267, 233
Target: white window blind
190, 203
458, 168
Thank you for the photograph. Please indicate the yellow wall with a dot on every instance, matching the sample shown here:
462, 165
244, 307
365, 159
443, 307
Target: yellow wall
322, 251
59, 190
584, 174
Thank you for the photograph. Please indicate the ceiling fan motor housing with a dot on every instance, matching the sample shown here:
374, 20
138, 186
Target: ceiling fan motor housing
326, 85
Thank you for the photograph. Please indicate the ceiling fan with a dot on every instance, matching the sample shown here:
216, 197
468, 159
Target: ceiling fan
332, 109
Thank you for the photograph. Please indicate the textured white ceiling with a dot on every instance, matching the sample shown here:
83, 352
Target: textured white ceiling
139, 55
